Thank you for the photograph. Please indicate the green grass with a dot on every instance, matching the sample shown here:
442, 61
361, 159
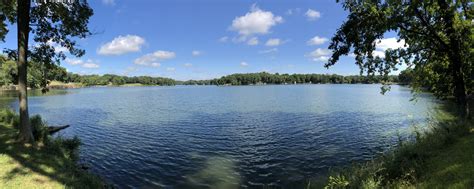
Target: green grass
452, 166
441, 157
47, 164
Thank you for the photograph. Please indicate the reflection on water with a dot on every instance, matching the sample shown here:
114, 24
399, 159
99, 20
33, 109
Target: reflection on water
9, 96
217, 172
229, 137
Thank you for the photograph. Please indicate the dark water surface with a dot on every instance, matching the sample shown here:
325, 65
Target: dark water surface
229, 137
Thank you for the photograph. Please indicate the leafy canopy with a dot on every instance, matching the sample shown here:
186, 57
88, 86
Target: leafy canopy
54, 26
434, 32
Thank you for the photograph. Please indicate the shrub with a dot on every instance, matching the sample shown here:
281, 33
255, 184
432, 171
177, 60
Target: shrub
40, 129
7, 116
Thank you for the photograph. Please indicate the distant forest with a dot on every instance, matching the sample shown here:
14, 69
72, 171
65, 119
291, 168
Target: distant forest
261, 78
269, 78
37, 73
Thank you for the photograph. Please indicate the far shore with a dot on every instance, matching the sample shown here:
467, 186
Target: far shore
72, 85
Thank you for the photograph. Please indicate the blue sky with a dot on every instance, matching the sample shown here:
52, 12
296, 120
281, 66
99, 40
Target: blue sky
185, 39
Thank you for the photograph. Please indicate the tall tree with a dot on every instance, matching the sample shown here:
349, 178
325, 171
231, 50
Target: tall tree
53, 24
438, 37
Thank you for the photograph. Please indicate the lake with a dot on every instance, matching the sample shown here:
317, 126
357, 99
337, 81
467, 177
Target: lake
230, 137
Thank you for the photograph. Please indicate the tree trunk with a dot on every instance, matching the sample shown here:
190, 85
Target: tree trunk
23, 11
455, 58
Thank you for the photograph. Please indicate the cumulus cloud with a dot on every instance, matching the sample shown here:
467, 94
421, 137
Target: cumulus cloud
244, 64
57, 48
153, 59
196, 53
256, 21
316, 40
85, 64
312, 14
188, 65
273, 42
252, 41
387, 43
320, 54
121, 45
384, 44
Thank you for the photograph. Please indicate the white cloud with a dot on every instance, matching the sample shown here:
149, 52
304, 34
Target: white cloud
196, 53
85, 64
316, 40
223, 39
170, 69
292, 11
272, 50
74, 61
384, 44
389, 43
320, 54
108, 2
252, 41
153, 59
256, 21
188, 65
121, 45
244, 64
57, 48
90, 65
155, 64
312, 14
379, 53
273, 42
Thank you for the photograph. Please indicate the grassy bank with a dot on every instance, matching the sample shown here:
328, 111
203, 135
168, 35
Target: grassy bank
62, 85
50, 163
440, 157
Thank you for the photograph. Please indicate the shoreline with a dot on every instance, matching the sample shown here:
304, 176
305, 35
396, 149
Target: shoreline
80, 85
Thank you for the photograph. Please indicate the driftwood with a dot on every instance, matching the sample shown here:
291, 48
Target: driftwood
55, 129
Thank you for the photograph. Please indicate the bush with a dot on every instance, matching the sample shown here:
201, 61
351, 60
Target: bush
64, 147
7, 116
40, 129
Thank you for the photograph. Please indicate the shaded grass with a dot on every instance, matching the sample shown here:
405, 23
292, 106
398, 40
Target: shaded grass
439, 157
50, 163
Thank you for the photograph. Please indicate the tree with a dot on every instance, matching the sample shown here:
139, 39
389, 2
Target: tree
52, 24
8, 71
438, 37
406, 76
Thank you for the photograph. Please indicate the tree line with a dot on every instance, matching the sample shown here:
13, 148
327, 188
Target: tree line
39, 76
111, 79
269, 78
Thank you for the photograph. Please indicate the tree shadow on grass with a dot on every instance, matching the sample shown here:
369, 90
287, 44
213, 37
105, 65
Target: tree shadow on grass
54, 163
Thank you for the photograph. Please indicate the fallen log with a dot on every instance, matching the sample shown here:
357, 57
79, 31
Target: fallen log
55, 129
